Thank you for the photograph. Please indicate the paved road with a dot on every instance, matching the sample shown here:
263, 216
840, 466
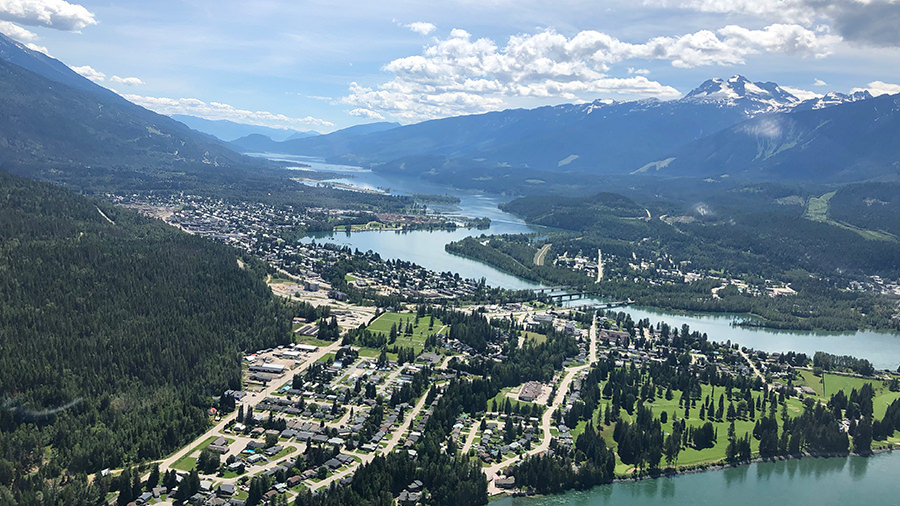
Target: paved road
540, 254
547, 420
755, 370
470, 439
216, 430
366, 458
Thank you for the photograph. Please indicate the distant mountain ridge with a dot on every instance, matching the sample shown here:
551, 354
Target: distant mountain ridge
56, 124
850, 142
600, 137
228, 131
327, 143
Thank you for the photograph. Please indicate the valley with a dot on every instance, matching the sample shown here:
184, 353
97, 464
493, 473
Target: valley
582, 299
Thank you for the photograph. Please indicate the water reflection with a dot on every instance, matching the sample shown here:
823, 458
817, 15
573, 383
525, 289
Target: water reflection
852, 480
736, 475
858, 468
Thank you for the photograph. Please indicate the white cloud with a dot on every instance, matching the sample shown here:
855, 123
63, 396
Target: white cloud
640, 72
801, 93
879, 88
40, 49
872, 22
217, 110
795, 11
764, 127
90, 73
16, 32
421, 27
819, 82
127, 81
462, 75
57, 14
365, 113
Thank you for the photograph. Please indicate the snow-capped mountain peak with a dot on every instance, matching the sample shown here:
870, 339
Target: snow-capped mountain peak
832, 98
739, 91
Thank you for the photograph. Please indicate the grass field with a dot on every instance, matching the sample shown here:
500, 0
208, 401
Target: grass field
835, 382
382, 325
817, 210
692, 457
534, 338
687, 456
187, 463
501, 399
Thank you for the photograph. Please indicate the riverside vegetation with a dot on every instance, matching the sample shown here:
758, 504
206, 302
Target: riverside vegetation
720, 255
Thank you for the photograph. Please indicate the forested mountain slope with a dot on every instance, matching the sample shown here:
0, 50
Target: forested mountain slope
129, 324
57, 125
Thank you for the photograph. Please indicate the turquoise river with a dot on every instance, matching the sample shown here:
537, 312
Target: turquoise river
814, 481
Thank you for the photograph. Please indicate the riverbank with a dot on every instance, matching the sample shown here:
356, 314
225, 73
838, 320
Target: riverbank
710, 469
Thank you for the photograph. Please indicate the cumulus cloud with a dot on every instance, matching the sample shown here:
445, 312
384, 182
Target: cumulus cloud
57, 14
879, 88
463, 75
765, 127
819, 82
16, 32
421, 27
40, 49
90, 73
127, 81
801, 93
872, 22
365, 113
217, 111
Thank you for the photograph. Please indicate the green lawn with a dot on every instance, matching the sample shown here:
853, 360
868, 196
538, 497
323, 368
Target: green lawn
687, 456
817, 207
287, 451
501, 399
692, 457
817, 210
187, 463
327, 358
534, 338
382, 325
835, 382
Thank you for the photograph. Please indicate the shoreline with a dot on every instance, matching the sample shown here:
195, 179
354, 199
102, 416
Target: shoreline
702, 468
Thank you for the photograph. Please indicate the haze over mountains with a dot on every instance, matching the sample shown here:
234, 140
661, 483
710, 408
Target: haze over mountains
229, 130
56, 124
697, 136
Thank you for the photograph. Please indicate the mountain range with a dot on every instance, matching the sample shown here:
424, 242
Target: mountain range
228, 131
696, 136
57, 125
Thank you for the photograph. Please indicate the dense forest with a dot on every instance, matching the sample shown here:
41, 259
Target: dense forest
759, 234
116, 332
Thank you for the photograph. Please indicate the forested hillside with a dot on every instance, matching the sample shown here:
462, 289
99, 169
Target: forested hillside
753, 233
126, 323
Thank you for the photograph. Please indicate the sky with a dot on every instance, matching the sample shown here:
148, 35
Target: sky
325, 65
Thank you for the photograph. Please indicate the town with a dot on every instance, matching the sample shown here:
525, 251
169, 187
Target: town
311, 413
378, 344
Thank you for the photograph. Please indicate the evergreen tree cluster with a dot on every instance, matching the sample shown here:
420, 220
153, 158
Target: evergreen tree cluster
117, 331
